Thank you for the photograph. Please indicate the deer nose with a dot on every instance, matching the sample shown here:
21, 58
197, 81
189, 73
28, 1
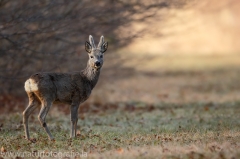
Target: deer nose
97, 63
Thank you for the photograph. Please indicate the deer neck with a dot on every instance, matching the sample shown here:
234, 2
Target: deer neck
91, 74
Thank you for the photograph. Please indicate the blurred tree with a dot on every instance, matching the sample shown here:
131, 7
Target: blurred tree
45, 35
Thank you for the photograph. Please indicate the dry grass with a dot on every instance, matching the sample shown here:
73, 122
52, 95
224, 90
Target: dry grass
135, 130
171, 78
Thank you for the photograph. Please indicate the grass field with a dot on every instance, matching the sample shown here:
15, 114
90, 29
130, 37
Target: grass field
133, 130
190, 110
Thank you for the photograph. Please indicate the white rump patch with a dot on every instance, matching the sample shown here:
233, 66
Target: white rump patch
30, 85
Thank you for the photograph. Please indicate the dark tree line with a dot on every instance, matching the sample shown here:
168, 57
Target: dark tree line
49, 35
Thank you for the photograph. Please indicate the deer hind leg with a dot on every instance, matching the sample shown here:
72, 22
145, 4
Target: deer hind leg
33, 103
42, 115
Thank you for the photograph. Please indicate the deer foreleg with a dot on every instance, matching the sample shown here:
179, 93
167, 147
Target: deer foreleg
74, 119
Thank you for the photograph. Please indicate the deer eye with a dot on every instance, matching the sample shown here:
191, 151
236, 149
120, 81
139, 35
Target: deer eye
91, 57
101, 56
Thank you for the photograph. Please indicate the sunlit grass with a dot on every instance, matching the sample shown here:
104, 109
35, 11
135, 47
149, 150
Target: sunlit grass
180, 62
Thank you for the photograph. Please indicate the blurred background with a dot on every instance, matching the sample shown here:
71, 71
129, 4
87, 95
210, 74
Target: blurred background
160, 51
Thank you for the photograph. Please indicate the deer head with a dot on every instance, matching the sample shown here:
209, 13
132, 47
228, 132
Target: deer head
96, 54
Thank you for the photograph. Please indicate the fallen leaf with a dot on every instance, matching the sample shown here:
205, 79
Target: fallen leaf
206, 108
120, 150
33, 140
3, 149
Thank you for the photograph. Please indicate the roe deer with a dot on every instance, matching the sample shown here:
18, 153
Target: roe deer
72, 88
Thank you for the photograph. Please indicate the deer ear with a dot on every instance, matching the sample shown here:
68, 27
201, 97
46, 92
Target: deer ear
91, 41
104, 47
88, 47
101, 41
